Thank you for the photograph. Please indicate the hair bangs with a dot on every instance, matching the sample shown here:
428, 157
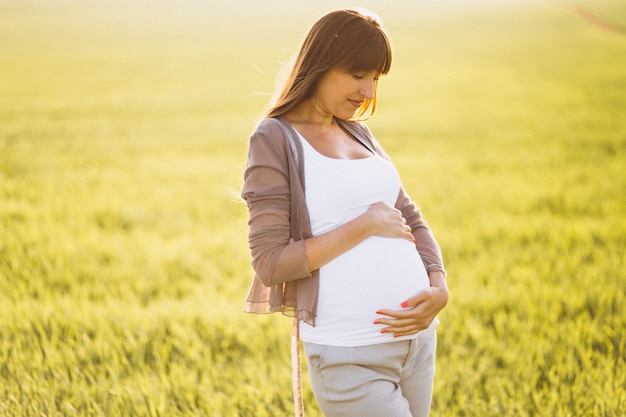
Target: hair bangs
365, 48
369, 56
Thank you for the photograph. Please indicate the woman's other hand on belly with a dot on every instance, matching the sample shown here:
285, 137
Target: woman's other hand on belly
417, 312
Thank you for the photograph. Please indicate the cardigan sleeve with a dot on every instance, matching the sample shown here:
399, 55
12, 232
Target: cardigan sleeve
425, 242
276, 257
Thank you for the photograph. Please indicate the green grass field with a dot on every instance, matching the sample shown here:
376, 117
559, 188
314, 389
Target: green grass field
123, 247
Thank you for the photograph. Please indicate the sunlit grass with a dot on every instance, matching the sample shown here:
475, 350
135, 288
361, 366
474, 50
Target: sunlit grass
123, 249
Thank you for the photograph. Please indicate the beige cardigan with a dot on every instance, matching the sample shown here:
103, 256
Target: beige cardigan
279, 220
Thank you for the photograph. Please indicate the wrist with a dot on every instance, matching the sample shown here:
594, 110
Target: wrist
360, 228
433, 268
437, 278
364, 225
443, 295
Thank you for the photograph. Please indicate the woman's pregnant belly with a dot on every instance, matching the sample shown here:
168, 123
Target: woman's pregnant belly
379, 273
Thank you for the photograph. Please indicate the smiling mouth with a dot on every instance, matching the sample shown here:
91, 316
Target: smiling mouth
356, 103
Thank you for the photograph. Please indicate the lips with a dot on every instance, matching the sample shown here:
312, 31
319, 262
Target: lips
356, 103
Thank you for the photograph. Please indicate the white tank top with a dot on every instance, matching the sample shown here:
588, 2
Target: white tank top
377, 273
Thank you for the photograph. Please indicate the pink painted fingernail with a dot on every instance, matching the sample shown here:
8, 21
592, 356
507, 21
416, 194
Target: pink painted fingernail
378, 312
383, 331
404, 305
376, 322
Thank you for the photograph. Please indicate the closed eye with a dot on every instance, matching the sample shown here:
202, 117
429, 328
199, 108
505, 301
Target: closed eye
360, 77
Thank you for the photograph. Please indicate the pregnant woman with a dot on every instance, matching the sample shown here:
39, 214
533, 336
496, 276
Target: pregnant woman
334, 237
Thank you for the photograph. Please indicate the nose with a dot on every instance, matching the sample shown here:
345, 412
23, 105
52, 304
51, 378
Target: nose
367, 88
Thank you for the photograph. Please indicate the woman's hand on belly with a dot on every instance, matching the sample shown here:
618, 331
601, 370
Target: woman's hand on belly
387, 221
379, 220
418, 311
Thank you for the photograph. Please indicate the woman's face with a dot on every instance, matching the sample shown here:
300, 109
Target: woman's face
341, 93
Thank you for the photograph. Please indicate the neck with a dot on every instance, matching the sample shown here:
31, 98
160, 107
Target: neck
309, 113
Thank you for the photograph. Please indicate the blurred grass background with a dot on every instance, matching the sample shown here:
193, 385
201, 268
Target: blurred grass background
123, 250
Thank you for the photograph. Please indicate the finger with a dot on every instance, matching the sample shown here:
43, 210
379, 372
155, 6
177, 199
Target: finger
394, 314
414, 300
402, 327
407, 234
400, 324
403, 322
394, 323
405, 327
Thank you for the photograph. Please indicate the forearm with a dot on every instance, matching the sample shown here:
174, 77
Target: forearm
324, 248
425, 242
438, 282
379, 220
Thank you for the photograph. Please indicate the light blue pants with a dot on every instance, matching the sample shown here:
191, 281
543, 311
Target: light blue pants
385, 380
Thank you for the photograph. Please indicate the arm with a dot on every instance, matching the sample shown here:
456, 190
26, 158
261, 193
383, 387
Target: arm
378, 220
421, 309
425, 242
276, 258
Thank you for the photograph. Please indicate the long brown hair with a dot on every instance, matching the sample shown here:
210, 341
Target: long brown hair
348, 40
